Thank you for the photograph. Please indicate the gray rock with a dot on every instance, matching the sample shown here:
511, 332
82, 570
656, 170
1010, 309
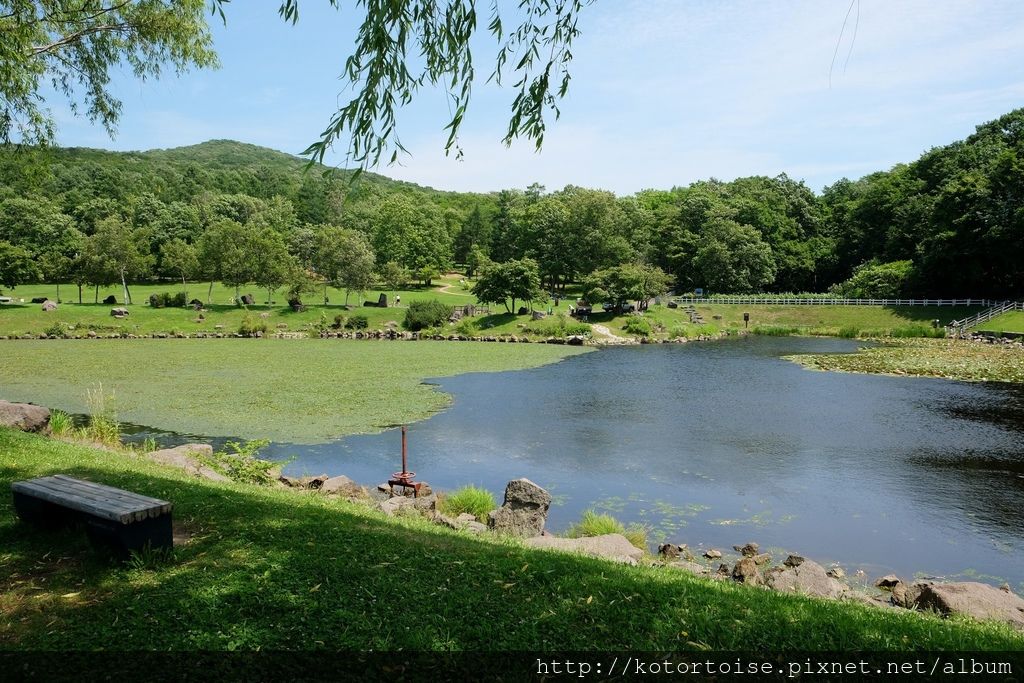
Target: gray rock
763, 558
888, 581
748, 550
394, 505
426, 504
49, 305
524, 510
25, 416
713, 554
119, 312
746, 571
836, 572
340, 485
186, 457
475, 527
794, 561
465, 518
977, 600
670, 551
692, 567
613, 547
807, 578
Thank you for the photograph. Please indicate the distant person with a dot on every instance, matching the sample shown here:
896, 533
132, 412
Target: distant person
398, 300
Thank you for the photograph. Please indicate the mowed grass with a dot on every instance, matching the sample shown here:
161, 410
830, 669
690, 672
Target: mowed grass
1007, 322
225, 317
273, 569
946, 358
300, 391
27, 318
832, 319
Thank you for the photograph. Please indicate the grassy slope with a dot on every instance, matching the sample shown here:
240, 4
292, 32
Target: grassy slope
948, 358
274, 569
289, 390
1007, 322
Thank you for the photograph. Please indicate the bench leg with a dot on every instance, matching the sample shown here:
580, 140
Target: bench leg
124, 539
42, 513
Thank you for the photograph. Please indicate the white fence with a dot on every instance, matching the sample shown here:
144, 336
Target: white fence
959, 326
811, 301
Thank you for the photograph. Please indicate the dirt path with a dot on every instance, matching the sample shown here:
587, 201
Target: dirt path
605, 332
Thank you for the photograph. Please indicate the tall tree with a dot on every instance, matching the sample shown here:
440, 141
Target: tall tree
179, 258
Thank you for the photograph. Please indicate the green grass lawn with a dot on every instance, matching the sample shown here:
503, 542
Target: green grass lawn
222, 316
1007, 322
18, 319
274, 569
300, 391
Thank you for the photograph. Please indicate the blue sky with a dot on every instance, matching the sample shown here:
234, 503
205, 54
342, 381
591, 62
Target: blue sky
664, 92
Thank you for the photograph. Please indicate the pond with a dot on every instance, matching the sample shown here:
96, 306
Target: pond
721, 443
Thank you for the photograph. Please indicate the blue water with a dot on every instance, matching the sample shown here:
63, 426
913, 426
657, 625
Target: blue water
721, 443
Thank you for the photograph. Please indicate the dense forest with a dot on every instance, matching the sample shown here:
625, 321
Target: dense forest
950, 223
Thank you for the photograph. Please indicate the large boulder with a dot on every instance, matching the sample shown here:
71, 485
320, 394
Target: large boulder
119, 312
187, 457
341, 486
25, 416
747, 571
977, 600
614, 547
49, 305
524, 510
806, 578
248, 300
110, 300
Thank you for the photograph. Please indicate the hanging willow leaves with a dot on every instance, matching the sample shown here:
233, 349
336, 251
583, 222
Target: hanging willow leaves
72, 45
401, 46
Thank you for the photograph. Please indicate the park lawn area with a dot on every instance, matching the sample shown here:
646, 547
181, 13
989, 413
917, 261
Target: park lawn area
946, 358
275, 569
19, 319
869, 320
294, 390
1007, 322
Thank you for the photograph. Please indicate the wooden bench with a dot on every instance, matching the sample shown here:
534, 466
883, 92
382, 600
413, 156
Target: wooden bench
123, 520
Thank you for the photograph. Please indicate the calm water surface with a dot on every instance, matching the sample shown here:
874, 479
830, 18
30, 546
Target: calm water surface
722, 443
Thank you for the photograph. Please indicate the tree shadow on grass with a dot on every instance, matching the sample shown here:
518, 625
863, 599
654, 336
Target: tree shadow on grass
279, 569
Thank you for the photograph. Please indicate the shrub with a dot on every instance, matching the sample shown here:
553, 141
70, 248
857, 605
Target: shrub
596, 524
476, 501
238, 462
638, 326
874, 280
848, 332
339, 321
166, 299
250, 326
559, 326
423, 314
56, 330
468, 327
357, 322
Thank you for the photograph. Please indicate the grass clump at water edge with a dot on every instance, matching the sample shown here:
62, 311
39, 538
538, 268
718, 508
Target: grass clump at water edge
597, 524
468, 499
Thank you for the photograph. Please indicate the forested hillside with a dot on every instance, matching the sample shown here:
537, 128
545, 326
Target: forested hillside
948, 224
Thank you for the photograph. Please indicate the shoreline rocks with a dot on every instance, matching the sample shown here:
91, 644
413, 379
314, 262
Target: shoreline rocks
523, 512
27, 417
